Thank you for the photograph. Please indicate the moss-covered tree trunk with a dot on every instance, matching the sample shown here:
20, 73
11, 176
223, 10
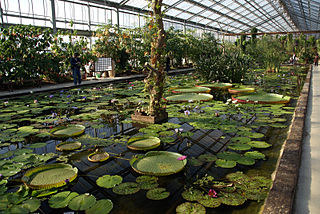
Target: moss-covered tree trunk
155, 81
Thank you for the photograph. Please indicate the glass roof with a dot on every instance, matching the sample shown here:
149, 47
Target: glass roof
236, 16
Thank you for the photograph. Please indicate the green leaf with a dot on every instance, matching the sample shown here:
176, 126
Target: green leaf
37, 145
192, 195
207, 158
31, 204
190, 208
157, 194
232, 199
259, 144
246, 161
239, 147
61, 200
127, 188
210, 202
108, 181
103, 206
225, 163
82, 202
255, 155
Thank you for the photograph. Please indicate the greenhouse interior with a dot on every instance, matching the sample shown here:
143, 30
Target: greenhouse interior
159, 106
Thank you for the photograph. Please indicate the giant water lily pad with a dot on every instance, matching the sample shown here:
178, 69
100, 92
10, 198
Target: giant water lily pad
190, 208
259, 144
239, 147
68, 146
82, 202
240, 90
191, 90
49, 176
158, 163
103, 206
143, 143
246, 161
98, 156
127, 188
67, 131
61, 200
217, 85
189, 97
157, 194
263, 98
108, 181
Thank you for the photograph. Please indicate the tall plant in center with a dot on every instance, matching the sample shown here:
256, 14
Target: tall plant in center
155, 81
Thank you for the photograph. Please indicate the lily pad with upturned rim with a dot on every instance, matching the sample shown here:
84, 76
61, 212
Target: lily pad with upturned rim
186, 97
143, 143
191, 90
240, 90
263, 98
67, 131
68, 146
98, 156
158, 163
49, 176
217, 85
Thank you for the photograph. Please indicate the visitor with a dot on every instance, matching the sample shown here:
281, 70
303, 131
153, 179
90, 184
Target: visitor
294, 58
316, 59
167, 64
75, 67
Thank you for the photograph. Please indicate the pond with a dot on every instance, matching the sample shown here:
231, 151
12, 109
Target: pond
217, 137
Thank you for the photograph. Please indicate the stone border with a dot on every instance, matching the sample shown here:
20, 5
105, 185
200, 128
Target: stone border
280, 199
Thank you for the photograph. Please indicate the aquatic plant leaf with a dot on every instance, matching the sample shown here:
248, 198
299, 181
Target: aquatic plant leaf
167, 139
225, 163
43, 192
68, 146
259, 144
61, 200
217, 85
143, 143
185, 97
191, 90
251, 134
210, 202
31, 204
232, 199
157, 194
278, 125
239, 147
207, 158
37, 145
147, 182
67, 131
238, 177
109, 181
195, 162
98, 156
263, 98
190, 208
103, 206
241, 139
255, 155
158, 163
49, 176
246, 161
232, 156
82, 202
127, 188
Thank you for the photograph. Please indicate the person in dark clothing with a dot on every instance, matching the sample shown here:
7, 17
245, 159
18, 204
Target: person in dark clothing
75, 67
316, 59
167, 64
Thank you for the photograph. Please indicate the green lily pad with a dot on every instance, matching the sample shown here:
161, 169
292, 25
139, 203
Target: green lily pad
246, 161
147, 182
31, 204
217, 85
68, 146
190, 208
225, 163
103, 206
192, 195
191, 90
67, 131
143, 143
232, 199
185, 97
108, 181
127, 188
82, 202
207, 158
49, 176
239, 147
157, 194
231, 156
259, 144
238, 177
37, 145
158, 163
61, 200
195, 162
240, 139
263, 98
210, 202
98, 156
241, 89
255, 155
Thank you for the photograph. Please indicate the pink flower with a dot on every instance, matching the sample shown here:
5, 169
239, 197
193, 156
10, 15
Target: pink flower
35, 101
182, 157
212, 193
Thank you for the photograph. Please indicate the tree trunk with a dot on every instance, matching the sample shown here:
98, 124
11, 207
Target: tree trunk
155, 80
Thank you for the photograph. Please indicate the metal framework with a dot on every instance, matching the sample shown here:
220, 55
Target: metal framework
219, 16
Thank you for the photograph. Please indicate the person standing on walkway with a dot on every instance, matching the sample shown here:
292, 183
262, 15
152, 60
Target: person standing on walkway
75, 67
316, 59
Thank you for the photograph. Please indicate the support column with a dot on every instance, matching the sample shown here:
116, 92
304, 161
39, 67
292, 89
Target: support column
1, 15
53, 17
89, 17
118, 18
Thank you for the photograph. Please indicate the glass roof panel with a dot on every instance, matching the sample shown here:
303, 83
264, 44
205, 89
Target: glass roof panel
137, 3
184, 5
195, 9
196, 19
205, 21
184, 15
207, 3
169, 2
173, 12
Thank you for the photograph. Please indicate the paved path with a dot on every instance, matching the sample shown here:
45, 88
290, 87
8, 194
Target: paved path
308, 188
68, 85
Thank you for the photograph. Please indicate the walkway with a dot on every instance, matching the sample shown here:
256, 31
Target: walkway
68, 85
308, 188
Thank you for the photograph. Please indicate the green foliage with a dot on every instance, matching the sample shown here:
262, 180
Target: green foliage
108, 181
82, 202
61, 199
103, 206
157, 194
